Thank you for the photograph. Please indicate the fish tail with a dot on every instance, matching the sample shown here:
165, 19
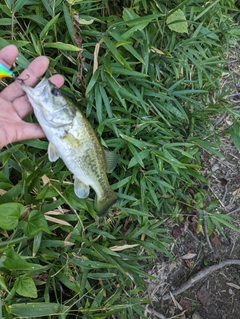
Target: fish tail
104, 203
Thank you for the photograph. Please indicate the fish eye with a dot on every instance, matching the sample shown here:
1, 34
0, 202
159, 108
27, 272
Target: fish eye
55, 92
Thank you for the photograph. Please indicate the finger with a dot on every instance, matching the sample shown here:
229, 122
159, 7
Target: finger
8, 55
27, 131
23, 107
34, 71
57, 80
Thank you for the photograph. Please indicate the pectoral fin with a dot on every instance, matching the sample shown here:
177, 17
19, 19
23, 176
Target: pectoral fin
80, 189
52, 152
111, 160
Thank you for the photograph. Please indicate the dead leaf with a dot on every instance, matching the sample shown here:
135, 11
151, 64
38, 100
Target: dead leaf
188, 259
203, 295
186, 305
95, 55
192, 226
188, 256
236, 192
199, 229
160, 52
223, 181
194, 219
233, 285
81, 21
59, 211
175, 302
45, 180
57, 221
119, 248
177, 231
235, 195
171, 267
143, 236
189, 263
215, 239
2, 192
68, 243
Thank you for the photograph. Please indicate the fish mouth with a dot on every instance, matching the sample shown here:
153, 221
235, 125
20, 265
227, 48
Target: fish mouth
39, 90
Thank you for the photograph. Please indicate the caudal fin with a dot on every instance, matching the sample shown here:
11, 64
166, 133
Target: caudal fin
104, 203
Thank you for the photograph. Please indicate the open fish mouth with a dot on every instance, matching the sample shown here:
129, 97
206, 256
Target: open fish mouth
41, 89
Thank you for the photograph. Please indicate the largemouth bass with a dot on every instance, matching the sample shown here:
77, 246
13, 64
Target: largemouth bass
72, 138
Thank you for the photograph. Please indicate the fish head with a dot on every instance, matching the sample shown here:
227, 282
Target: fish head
48, 103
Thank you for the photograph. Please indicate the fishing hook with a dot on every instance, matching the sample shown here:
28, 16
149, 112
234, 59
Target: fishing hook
19, 79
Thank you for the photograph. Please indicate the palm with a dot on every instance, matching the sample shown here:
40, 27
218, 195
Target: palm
14, 104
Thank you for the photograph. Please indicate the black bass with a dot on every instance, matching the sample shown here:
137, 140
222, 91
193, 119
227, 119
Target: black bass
72, 138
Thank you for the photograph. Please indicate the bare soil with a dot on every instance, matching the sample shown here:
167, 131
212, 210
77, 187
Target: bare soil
217, 294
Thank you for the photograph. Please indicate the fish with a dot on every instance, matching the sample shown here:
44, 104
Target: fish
72, 138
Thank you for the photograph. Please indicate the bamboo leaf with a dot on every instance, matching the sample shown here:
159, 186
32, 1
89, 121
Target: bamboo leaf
19, 4
62, 46
69, 21
14, 262
37, 309
48, 26
115, 53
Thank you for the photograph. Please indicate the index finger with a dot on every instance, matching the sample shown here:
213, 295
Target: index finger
8, 55
33, 72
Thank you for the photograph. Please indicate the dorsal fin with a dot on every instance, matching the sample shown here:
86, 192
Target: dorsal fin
111, 160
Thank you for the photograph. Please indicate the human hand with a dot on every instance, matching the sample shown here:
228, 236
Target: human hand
14, 104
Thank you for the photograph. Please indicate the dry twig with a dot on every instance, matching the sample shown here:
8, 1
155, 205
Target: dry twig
157, 314
200, 275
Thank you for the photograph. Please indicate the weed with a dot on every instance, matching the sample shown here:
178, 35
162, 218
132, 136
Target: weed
143, 72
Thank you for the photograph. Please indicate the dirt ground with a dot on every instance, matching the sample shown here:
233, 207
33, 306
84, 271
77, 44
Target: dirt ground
212, 293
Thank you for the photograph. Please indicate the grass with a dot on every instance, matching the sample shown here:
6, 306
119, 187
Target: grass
144, 73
